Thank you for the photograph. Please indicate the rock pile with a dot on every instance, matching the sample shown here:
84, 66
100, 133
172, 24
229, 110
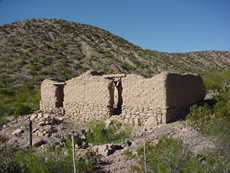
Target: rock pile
46, 128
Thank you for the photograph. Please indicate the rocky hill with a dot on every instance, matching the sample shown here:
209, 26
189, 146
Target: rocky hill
33, 50
36, 49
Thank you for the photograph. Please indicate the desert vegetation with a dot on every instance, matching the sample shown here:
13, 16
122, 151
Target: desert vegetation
211, 118
171, 156
59, 160
14, 160
37, 49
100, 133
18, 101
61, 49
214, 119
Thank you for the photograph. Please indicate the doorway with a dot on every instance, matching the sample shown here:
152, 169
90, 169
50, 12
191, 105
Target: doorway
116, 100
59, 94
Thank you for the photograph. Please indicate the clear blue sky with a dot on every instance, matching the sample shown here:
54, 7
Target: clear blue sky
164, 25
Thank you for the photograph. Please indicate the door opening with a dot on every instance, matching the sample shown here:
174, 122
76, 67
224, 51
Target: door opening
116, 100
59, 94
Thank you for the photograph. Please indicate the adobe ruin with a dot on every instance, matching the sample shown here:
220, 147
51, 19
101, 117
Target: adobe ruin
134, 99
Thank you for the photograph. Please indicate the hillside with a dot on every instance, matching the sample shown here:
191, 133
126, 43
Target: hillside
33, 50
36, 49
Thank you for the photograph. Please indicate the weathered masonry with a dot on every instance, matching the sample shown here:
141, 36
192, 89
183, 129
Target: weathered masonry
161, 99
52, 95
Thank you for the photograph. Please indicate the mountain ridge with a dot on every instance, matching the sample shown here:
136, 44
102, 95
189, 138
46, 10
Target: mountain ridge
35, 49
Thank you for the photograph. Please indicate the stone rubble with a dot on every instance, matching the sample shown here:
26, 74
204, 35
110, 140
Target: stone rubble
57, 128
17, 132
106, 149
46, 128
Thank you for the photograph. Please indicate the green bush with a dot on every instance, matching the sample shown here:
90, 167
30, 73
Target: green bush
18, 101
127, 67
31, 162
171, 156
100, 134
53, 161
199, 117
22, 109
5, 111
214, 120
215, 80
8, 162
84, 165
166, 156
222, 107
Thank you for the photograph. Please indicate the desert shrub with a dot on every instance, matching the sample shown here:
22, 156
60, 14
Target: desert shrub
22, 109
199, 116
165, 156
8, 162
128, 154
84, 165
18, 101
54, 161
100, 134
214, 120
207, 162
222, 107
31, 162
171, 156
127, 67
215, 80
65, 73
5, 111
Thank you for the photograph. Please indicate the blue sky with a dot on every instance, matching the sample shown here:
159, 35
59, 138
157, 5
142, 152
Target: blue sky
164, 25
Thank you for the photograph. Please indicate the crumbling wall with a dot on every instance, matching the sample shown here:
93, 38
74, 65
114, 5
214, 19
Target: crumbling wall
141, 101
52, 95
87, 97
181, 92
164, 98
144, 98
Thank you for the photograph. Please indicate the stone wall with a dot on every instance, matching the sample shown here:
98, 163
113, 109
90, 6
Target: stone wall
144, 98
52, 95
181, 92
87, 96
163, 98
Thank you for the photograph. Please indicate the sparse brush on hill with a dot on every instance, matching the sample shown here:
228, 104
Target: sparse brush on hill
36, 49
